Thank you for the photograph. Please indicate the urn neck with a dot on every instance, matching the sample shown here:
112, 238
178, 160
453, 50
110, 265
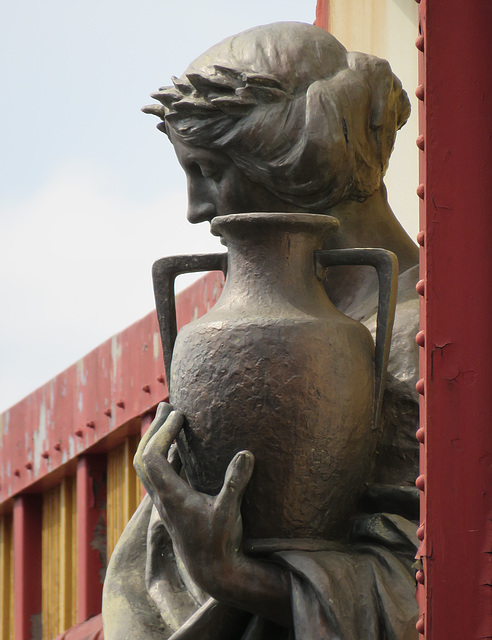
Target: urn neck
271, 258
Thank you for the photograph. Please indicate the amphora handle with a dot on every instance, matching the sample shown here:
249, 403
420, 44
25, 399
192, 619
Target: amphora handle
166, 270
164, 273
386, 264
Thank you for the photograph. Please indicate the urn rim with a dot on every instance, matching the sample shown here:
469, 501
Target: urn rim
292, 222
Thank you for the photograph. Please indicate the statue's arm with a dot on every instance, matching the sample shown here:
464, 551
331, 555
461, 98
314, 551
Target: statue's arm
207, 530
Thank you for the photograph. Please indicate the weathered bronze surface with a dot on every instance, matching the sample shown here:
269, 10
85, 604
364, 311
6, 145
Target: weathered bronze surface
254, 362
294, 514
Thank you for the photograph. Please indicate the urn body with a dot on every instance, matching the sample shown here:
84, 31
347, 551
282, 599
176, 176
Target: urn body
276, 369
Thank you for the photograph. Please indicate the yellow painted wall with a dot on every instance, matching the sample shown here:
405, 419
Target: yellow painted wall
59, 558
388, 29
124, 490
59, 542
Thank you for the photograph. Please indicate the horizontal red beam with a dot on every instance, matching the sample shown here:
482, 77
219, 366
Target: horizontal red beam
118, 381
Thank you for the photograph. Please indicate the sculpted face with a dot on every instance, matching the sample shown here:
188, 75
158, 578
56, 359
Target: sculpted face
281, 118
217, 187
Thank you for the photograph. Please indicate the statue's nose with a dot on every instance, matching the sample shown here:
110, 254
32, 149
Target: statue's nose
200, 212
201, 205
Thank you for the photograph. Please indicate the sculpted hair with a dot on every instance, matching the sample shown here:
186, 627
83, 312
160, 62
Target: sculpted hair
283, 98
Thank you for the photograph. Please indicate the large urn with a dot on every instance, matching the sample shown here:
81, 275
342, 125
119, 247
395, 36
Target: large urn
276, 369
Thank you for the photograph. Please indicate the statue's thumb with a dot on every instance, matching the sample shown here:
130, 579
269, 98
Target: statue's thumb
237, 476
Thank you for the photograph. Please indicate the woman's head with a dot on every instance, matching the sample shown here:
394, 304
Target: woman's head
293, 110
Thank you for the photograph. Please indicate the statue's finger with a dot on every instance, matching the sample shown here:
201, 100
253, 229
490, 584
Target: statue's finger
163, 411
161, 441
171, 488
236, 480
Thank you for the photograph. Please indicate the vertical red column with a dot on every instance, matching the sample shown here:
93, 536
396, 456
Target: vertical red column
422, 554
323, 14
27, 567
91, 534
456, 94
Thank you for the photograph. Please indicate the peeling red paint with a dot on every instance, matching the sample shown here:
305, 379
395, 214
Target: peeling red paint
83, 404
456, 360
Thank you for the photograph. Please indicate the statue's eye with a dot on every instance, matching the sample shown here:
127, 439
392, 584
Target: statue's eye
209, 171
194, 170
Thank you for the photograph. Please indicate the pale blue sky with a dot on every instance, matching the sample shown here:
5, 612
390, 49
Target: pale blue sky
90, 191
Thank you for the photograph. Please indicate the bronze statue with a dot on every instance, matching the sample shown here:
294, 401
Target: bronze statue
282, 119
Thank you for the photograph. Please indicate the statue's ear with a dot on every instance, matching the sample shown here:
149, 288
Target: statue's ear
390, 107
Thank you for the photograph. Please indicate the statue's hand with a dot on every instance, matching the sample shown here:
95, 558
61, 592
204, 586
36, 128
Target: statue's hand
207, 530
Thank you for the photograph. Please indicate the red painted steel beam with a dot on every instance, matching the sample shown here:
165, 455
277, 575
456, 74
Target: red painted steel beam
27, 567
456, 191
91, 534
323, 14
421, 555
115, 383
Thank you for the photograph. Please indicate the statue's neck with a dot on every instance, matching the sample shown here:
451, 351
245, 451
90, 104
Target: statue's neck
365, 224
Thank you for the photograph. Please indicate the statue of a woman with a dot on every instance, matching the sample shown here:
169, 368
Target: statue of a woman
282, 118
